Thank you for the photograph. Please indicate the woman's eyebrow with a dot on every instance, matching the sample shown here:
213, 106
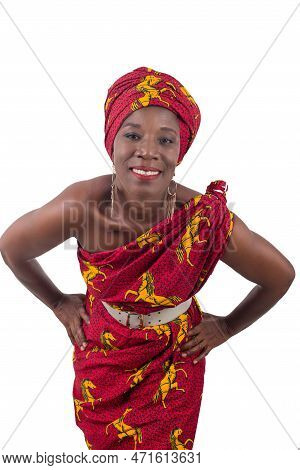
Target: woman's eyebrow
163, 128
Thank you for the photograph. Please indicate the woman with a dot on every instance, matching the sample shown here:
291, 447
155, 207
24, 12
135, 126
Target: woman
146, 246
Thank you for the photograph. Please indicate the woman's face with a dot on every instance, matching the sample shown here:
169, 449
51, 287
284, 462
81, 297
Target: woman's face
142, 142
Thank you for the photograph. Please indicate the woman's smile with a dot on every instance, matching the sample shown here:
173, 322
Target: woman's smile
143, 174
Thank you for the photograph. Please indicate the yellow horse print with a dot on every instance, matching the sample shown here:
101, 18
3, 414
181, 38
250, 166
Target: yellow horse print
146, 292
78, 403
147, 238
147, 86
176, 443
126, 430
86, 384
93, 271
106, 339
182, 322
168, 382
160, 330
138, 375
191, 236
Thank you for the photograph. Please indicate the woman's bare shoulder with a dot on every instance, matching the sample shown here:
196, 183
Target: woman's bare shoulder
184, 194
93, 189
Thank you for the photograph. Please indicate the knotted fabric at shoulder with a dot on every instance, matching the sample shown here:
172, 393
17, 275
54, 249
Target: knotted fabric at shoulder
222, 215
218, 188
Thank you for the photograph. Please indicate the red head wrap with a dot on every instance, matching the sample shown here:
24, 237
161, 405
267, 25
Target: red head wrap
146, 87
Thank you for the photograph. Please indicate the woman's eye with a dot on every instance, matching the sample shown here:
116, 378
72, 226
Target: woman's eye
131, 135
135, 135
171, 141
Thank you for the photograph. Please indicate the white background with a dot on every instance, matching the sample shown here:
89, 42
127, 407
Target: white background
240, 61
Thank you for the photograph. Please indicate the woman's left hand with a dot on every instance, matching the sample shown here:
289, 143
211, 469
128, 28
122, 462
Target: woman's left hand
209, 333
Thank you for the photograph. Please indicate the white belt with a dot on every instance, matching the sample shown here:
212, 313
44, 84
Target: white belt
139, 320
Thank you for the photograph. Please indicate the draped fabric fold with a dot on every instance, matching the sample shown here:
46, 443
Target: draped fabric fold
132, 389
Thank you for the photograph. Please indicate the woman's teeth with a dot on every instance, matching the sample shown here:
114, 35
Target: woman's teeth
142, 172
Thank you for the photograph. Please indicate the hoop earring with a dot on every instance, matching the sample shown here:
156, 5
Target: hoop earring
171, 202
113, 184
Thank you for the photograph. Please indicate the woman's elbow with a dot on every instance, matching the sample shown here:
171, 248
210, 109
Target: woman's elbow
287, 277
291, 274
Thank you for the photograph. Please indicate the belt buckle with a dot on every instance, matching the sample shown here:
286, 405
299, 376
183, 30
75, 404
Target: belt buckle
141, 324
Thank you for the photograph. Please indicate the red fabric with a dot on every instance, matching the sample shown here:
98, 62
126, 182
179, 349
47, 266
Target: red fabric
146, 87
132, 389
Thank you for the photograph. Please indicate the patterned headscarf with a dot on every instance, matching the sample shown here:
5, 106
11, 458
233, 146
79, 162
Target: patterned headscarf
146, 87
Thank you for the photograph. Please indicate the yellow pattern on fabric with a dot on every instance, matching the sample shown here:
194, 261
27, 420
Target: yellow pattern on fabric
138, 375
198, 305
91, 300
168, 382
147, 86
106, 339
146, 292
86, 384
92, 272
182, 321
160, 330
176, 443
125, 429
149, 237
231, 224
191, 236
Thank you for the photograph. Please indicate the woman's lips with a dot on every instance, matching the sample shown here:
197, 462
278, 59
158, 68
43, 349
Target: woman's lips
144, 177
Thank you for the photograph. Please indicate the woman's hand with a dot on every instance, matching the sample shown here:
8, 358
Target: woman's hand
71, 311
209, 333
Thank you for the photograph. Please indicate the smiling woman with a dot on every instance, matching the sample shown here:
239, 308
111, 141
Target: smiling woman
150, 141
133, 389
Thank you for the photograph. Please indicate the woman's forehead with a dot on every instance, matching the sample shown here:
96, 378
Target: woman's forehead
154, 114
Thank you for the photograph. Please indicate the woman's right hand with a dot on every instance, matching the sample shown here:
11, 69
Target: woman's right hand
71, 311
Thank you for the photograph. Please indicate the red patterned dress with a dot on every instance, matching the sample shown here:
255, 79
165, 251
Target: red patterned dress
132, 388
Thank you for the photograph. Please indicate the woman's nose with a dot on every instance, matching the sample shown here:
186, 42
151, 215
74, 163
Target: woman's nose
148, 148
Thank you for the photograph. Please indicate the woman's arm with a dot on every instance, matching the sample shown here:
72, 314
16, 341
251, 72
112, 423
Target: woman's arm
37, 232
260, 262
